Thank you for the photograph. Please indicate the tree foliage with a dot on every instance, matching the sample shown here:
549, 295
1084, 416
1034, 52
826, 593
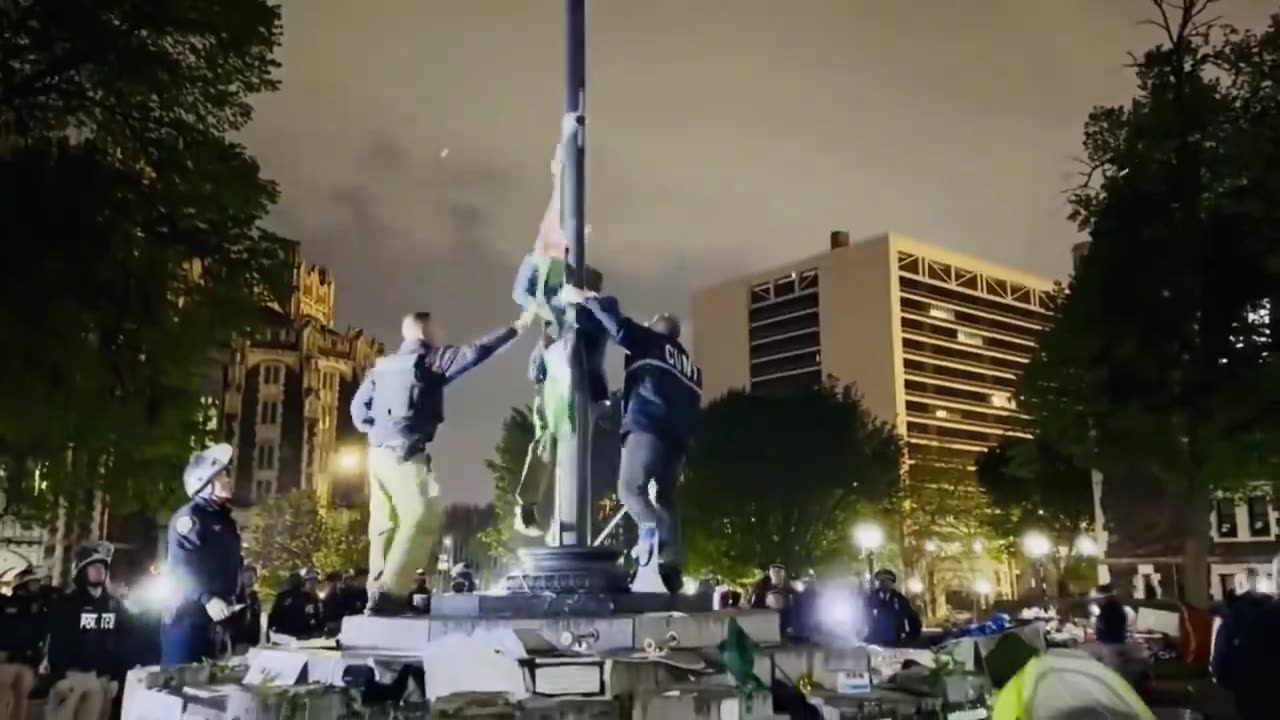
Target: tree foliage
1161, 362
505, 467
290, 532
133, 247
783, 478
1034, 487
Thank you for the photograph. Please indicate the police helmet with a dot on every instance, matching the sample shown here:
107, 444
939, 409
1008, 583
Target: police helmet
334, 577
91, 553
310, 574
886, 573
31, 573
203, 466
420, 573
666, 324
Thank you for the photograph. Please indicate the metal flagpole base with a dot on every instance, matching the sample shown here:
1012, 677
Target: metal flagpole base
566, 570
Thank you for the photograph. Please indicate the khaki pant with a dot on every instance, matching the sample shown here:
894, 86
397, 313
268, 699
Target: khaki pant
80, 696
16, 682
403, 517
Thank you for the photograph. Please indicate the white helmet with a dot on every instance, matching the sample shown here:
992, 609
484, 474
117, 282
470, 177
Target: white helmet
202, 466
90, 553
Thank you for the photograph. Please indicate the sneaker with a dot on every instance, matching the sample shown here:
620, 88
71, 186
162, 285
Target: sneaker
527, 521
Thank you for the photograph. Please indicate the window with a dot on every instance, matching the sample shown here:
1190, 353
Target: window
968, 338
263, 488
266, 457
944, 313
269, 413
1002, 400
1259, 511
1226, 509
272, 374
1226, 584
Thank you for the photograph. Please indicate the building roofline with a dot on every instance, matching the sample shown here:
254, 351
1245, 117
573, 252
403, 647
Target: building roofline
900, 242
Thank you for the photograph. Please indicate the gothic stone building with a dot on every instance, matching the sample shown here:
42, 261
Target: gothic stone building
285, 398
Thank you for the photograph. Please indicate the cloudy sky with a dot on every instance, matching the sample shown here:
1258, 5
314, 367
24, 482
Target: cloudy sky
724, 136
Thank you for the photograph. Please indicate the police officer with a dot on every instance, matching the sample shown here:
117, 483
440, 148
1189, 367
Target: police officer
661, 399
892, 621
355, 594
204, 560
334, 603
26, 614
297, 611
88, 627
399, 406
246, 626
420, 595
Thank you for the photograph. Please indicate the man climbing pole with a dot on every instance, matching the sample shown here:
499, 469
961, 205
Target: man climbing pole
538, 282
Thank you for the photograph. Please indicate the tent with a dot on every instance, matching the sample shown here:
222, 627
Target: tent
1068, 685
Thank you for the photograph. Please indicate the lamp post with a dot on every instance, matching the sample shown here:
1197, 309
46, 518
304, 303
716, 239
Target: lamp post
1037, 546
982, 588
869, 537
349, 460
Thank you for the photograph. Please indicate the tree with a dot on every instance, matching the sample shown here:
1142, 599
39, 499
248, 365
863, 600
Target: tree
286, 534
133, 248
1160, 364
506, 467
783, 478
344, 539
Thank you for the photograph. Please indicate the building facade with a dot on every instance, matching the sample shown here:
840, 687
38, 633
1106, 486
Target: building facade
936, 341
285, 398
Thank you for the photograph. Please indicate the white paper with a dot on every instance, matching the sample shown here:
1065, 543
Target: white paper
274, 667
153, 705
487, 661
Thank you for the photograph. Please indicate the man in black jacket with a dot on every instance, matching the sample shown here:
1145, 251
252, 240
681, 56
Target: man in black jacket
246, 625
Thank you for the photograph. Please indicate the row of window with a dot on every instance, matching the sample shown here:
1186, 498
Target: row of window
921, 305
1257, 517
265, 456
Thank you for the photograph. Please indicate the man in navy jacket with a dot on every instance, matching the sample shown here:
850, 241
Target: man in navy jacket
661, 399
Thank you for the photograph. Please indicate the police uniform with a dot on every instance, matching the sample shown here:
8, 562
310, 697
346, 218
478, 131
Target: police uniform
246, 626
400, 405
88, 628
420, 595
297, 611
204, 562
25, 619
661, 400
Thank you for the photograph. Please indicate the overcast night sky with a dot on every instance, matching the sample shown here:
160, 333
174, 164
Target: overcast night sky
724, 136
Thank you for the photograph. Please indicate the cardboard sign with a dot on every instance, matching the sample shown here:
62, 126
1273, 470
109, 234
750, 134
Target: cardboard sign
274, 667
152, 705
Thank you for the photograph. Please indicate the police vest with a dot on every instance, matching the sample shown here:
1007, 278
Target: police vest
399, 395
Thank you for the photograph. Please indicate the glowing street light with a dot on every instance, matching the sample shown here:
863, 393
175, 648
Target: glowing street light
1086, 546
915, 586
869, 537
982, 586
1036, 545
979, 546
931, 546
349, 460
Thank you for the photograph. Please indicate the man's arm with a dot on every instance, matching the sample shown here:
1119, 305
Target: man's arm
454, 361
362, 405
627, 333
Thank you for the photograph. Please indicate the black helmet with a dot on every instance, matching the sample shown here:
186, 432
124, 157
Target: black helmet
666, 324
90, 553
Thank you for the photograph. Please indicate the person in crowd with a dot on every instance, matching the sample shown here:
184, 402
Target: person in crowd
420, 595
354, 592
1111, 636
89, 632
333, 603
463, 578
1243, 655
774, 578
661, 402
891, 620
400, 406
25, 615
204, 561
246, 627
297, 611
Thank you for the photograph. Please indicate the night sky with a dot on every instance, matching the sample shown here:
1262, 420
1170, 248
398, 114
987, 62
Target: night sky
724, 136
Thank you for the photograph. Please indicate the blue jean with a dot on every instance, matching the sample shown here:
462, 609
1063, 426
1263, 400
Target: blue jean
187, 639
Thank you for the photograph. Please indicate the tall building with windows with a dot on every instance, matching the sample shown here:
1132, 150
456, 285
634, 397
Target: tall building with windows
935, 340
285, 395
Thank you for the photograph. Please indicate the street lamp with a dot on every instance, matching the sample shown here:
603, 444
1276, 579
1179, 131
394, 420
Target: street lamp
931, 546
915, 586
1037, 546
349, 460
869, 537
978, 546
1086, 546
982, 588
